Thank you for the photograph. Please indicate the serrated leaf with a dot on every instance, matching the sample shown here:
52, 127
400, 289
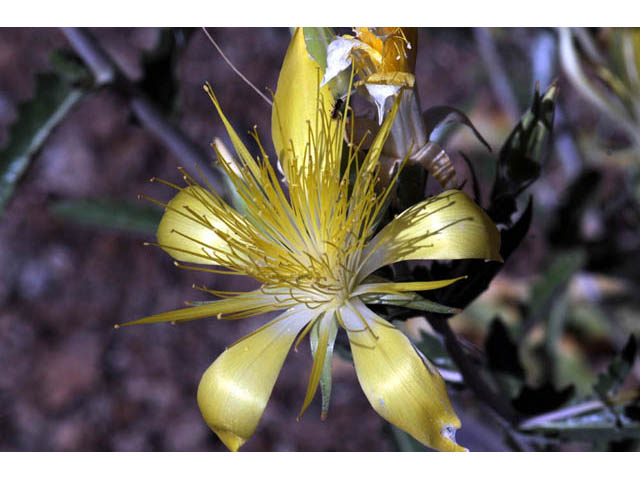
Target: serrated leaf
53, 98
109, 215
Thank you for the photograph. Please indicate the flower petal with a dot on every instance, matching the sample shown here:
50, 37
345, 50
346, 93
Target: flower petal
239, 306
339, 57
399, 287
449, 226
244, 159
190, 231
401, 385
234, 390
295, 104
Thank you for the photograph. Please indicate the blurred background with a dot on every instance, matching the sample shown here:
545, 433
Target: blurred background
552, 334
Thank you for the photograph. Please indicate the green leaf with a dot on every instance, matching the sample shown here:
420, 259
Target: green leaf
433, 348
54, 97
317, 40
325, 376
521, 157
594, 91
70, 67
617, 371
412, 301
405, 442
551, 286
443, 114
109, 215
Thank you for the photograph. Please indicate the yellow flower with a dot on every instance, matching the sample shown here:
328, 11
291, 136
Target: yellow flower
383, 57
314, 251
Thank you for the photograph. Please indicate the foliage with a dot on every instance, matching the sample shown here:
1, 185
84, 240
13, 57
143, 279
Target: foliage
55, 95
538, 353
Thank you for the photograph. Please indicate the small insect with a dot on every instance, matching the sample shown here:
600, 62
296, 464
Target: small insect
338, 109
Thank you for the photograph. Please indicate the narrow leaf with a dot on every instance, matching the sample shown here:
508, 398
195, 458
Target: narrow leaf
618, 370
325, 376
54, 97
442, 114
109, 215
414, 302
521, 157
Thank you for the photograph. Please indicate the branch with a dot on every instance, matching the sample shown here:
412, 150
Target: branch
106, 73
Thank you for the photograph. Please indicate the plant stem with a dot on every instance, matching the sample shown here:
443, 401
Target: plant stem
106, 73
561, 414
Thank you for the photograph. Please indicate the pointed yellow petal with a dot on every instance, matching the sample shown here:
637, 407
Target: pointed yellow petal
449, 226
240, 306
234, 390
398, 287
190, 231
244, 156
401, 385
296, 102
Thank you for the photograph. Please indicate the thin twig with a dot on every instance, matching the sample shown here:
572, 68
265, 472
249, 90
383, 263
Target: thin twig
233, 67
101, 65
106, 73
